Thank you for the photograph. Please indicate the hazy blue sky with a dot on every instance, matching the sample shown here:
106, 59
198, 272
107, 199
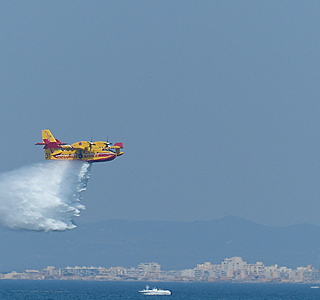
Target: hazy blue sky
217, 103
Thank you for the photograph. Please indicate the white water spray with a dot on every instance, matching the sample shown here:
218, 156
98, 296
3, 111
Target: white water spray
43, 197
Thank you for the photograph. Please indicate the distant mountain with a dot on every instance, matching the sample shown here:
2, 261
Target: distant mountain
175, 245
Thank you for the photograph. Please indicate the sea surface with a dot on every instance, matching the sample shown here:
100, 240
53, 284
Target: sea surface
80, 290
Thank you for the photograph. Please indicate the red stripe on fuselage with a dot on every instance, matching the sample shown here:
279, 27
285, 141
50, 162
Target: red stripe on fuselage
103, 157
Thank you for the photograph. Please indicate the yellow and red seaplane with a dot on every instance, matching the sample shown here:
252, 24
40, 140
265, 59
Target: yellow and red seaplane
83, 150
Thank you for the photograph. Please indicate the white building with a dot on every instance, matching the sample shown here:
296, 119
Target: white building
149, 267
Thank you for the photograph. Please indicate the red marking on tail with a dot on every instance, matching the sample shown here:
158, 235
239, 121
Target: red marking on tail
50, 145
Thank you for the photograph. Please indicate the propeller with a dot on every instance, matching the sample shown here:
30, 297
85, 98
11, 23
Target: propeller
91, 144
107, 143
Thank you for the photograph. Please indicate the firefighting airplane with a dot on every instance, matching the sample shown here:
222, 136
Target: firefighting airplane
83, 151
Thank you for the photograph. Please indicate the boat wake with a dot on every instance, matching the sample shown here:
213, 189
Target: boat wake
44, 196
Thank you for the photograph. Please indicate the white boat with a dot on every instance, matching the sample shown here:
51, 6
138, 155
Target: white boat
314, 287
154, 291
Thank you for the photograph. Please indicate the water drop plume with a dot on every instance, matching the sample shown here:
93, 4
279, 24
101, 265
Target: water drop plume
44, 196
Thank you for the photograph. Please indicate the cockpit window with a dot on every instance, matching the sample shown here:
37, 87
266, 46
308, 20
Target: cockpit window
110, 150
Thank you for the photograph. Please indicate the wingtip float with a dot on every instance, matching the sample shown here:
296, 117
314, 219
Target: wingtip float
82, 151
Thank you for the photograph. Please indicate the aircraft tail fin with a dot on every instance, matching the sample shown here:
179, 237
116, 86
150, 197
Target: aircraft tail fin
49, 140
48, 136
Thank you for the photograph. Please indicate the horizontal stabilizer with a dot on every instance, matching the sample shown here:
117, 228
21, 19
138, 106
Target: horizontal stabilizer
51, 145
49, 141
